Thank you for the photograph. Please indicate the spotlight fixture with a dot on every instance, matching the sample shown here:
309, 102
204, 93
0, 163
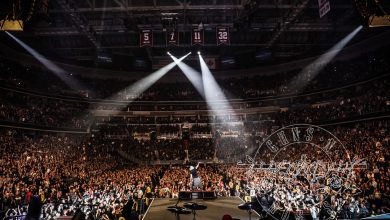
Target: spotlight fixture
198, 52
168, 53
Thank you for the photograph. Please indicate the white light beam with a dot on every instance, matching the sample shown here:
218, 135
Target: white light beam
310, 72
215, 97
134, 90
60, 73
192, 75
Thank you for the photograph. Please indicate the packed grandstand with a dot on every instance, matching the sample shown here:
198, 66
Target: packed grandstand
299, 130
127, 158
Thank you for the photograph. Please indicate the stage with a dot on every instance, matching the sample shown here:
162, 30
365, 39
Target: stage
216, 208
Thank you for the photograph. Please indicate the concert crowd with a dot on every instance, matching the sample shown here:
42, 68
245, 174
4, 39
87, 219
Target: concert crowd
71, 172
114, 166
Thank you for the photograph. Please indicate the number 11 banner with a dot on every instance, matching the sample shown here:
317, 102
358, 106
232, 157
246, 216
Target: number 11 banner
223, 36
197, 36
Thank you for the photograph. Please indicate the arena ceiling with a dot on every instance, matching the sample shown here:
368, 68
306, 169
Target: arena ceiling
78, 30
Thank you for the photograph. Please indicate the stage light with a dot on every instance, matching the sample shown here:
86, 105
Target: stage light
310, 72
168, 53
60, 73
198, 52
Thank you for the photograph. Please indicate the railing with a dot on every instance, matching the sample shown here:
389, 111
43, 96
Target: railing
231, 101
232, 159
130, 157
15, 217
35, 127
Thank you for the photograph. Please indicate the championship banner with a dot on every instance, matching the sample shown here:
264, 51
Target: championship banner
223, 36
323, 7
146, 38
197, 36
172, 37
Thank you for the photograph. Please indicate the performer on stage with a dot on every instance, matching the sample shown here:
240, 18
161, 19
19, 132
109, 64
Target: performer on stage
194, 178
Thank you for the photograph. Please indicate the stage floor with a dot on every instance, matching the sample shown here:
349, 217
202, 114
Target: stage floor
215, 209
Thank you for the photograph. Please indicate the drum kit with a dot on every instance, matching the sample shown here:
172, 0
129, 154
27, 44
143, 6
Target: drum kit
189, 207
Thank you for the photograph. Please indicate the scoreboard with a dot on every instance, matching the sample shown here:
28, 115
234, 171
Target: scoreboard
222, 35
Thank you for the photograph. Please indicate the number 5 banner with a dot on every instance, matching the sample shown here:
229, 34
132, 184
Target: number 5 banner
197, 36
146, 38
223, 36
172, 37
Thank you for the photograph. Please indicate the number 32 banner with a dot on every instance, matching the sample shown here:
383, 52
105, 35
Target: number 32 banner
146, 38
223, 36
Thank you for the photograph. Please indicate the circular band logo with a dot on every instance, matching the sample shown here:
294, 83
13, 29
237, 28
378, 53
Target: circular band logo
300, 171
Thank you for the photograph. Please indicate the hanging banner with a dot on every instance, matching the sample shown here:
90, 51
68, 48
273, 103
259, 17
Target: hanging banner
172, 37
146, 38
223, 36
323, 7
197, 36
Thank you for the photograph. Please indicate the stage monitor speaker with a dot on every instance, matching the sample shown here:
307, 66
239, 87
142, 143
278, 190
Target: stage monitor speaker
197, 195
209, 195
185, 195
64, 218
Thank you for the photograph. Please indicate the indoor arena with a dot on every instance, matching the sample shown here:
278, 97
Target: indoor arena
194, 109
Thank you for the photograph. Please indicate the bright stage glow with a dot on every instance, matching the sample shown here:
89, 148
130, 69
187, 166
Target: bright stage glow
310, 72
215, 97
192, 75
60, 73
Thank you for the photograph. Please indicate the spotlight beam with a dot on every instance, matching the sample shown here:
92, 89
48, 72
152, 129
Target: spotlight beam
60, 73
141, 85
215, 97
192, 75
311, 71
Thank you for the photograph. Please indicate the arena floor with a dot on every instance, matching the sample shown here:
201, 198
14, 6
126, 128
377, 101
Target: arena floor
215, 209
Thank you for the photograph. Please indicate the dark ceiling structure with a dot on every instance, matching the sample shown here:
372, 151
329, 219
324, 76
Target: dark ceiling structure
77, 31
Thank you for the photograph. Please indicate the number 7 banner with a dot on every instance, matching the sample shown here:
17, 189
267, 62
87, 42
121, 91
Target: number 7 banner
223, 36
172, 37
197, 36
146, 38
